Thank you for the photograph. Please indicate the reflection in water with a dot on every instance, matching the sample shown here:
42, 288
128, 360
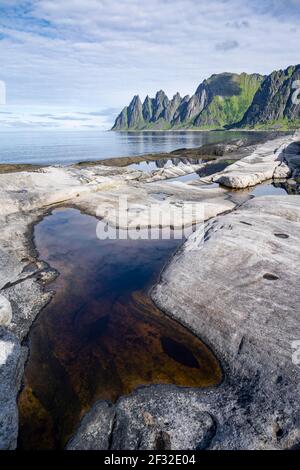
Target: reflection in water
268, 188
65, 147
101, 336
151, 165
184, 178
291, 186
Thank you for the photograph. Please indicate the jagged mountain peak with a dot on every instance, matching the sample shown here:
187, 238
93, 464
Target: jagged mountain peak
221, 101
160, 94
135, 100
273, 103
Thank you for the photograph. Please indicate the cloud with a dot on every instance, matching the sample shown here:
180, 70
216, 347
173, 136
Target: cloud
69, 118
96, 54
29, 125
238, 24
104, 112
28, 117
227, 45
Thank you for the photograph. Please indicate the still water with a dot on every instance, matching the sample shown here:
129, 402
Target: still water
65, 147
101, 336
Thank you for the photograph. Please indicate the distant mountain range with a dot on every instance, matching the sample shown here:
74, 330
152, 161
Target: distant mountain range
224, 101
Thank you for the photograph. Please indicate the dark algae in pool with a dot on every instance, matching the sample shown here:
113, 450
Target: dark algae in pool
101, 336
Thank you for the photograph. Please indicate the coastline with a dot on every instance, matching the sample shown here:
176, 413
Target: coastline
206, 130
89, 187
115, 149
206, 152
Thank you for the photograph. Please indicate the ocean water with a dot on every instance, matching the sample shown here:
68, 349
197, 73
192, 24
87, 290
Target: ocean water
66, 147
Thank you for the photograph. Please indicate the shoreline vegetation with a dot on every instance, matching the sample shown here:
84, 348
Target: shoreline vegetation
245, 129
204, 130
276, 126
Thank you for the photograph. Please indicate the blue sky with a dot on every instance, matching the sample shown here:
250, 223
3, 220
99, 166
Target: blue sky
76, 63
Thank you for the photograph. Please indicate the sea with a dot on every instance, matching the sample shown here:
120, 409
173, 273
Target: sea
65, 147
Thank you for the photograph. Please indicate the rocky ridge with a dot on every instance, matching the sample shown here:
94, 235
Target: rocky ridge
273, 103
224, 100
271, 160
219, 101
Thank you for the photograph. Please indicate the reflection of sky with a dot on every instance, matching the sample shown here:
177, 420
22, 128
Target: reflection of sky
149, 165
61, 146
66, 57
268, 190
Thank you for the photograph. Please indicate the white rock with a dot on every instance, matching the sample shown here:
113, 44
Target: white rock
282, 171
5, 311
266, 162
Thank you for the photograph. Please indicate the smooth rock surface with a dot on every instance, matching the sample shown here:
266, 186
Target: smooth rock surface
11, 369
5, 311
95, 429
28, 299
150, 419
261, 165
173, 172
155, 417
239, 293
24, 199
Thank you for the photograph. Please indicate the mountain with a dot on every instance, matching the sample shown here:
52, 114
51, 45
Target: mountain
219, 101
158, 111
273, 104
225, 98
223, 101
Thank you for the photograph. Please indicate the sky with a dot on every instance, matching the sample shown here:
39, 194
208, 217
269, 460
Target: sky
74, 64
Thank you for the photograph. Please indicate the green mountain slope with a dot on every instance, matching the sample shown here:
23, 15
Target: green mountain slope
223, 101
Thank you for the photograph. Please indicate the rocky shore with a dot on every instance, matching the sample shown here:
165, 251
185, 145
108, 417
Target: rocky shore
271, 160
238, 293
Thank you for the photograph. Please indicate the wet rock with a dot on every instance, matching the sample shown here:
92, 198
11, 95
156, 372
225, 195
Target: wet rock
94, 431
